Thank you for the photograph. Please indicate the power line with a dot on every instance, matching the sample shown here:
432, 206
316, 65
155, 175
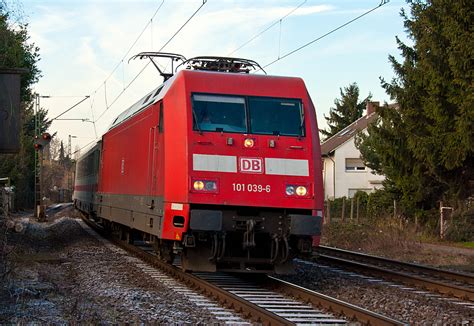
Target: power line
80, 149
133, 44
72, 107
382, 3
266, 29
146, 65
179, 30
122, 91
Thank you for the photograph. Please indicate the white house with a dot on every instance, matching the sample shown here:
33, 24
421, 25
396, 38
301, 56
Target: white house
344, 172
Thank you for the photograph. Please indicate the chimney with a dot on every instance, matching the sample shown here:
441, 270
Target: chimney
371, 106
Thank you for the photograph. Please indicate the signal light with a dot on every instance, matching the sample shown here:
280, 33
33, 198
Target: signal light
46, 136
40, 142
249, 142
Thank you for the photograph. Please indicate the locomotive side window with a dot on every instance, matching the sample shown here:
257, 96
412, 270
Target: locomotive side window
219, 113
160, 121
272, 116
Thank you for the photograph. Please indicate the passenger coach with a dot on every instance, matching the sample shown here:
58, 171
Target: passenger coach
217, 165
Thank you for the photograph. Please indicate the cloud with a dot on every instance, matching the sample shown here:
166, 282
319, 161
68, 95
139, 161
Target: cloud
82, 42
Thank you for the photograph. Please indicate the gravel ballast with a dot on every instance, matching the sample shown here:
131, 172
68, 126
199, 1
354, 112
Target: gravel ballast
61, 274
389, 299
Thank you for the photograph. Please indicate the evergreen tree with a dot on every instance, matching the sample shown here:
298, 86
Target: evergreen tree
425, 148
17, 52
61, 153
348, 109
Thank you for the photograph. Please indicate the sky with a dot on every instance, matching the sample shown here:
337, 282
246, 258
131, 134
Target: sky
85, 47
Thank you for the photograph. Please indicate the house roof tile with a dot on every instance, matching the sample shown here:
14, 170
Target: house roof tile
330, 144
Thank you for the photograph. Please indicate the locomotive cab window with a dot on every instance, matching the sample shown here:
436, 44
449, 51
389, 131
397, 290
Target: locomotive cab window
273, 116
219, 113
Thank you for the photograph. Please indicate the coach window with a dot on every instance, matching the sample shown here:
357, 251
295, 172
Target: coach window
273, 116
219, 113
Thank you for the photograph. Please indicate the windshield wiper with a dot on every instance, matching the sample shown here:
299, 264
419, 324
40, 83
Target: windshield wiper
302, 124
197, 124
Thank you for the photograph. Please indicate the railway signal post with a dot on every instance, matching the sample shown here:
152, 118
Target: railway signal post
39, 143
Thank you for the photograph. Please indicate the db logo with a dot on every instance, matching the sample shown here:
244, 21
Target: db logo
251, 165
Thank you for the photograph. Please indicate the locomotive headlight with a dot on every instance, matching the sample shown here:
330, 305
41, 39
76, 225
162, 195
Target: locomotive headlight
198, 185
301, 191
248, 142
205, 186
290, 190
210, 185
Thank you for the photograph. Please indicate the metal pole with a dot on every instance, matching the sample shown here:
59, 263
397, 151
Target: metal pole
37, 168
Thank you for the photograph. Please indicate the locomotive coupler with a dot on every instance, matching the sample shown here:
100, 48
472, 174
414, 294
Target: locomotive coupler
249, 235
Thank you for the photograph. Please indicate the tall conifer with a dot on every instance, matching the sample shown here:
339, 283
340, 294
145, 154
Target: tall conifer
348, 109
426, 147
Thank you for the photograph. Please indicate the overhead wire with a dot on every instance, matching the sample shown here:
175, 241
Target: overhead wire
133, 44
146, 65
278, 21
113, 71
382, 3
72, 107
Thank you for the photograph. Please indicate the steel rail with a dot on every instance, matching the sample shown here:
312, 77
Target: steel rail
403, 277
331, 304
248, 309
432, 271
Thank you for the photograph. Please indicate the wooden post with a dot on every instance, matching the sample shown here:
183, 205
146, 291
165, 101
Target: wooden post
444, 214
357, 209
328, 212
352, 208
343, 208
441, 220
394, 208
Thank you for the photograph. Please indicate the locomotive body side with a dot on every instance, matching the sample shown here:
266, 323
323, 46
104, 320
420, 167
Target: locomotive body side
131, 180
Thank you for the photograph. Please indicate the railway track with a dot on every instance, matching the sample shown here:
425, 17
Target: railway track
445, 282
262, 299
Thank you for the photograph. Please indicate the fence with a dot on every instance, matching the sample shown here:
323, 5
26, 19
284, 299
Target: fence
451, 221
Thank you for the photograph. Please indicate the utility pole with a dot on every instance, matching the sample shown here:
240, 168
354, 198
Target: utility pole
37, 159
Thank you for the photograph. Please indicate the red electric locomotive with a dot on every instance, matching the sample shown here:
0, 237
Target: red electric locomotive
217, 165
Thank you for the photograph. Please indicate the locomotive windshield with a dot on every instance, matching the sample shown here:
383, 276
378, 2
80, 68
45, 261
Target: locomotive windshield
266, 116
272, 116
219, 113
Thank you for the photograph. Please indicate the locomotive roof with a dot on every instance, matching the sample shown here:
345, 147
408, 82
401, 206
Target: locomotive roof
158, 93
152, 97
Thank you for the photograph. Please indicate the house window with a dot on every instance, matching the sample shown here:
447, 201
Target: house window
354, 164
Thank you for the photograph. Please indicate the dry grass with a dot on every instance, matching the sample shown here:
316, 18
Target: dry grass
389, 238
385, 237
